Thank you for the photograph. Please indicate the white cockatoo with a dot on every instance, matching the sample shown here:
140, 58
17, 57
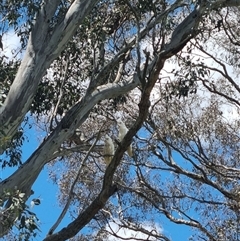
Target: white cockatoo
122, 131
108, 150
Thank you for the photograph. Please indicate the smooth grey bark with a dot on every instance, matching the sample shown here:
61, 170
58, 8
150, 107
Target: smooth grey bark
25, 176
43, 47
34, 64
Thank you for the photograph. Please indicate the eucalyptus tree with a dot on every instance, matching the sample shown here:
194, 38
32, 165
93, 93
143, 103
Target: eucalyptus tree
89, 63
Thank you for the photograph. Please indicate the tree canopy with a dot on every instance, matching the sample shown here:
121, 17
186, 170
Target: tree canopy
168, 72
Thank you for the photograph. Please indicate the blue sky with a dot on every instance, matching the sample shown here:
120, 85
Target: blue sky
43, 188
49, 210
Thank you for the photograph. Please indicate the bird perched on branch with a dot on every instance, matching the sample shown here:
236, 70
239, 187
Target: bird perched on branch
108, 150
122, 131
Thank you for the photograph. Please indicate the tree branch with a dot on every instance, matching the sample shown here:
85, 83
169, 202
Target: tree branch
41, 51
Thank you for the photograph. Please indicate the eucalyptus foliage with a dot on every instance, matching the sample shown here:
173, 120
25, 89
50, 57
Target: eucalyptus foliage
169, 70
